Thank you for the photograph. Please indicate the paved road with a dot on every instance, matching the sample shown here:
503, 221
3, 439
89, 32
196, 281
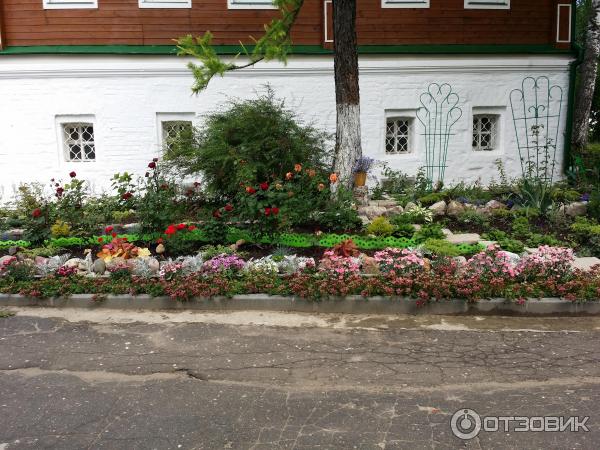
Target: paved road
111, 380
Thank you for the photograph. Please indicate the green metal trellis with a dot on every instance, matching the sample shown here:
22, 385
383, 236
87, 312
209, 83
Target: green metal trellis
438, 114
536, 110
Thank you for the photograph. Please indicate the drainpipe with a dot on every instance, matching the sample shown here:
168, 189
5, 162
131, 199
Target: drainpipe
578, 51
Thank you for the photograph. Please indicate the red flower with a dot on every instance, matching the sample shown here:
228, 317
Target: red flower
159, 241
59, 191
171, 230
250, 190
114, 235
181, 226
217, 214
36, 212
152, 165
127, 196
264, 186
164, 186
101, 240
108, 229
267, 211
228, 207
196, 184
73, 174
192, 227
275, 211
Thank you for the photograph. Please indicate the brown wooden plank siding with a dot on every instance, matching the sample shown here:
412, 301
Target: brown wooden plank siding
123, 22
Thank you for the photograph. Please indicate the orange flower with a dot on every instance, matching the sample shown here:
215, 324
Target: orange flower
297, 167
311, 172
321, 186
289, 176
333, 178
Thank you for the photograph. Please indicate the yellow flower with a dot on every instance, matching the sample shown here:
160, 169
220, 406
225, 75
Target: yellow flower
143, 252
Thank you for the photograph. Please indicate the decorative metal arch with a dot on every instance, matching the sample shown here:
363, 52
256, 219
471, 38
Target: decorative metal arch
536, 110
438, 113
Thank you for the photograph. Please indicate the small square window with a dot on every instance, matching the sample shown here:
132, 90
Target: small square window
405, 3
485, 132
250, 4
70, 4
172, 130
487, 4
165, 4
78, 141
398, 135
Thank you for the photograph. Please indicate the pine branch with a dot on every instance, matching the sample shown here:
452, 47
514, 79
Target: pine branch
275, 44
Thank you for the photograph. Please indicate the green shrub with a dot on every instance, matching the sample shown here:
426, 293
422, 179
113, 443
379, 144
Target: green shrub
432, 231
404, 230
380, 226
495, 235
60, 229
249, 141
441, 247
593, 209
472, 218
430, 199
521, 228
511, 245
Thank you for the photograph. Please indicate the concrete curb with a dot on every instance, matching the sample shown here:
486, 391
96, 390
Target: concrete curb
349, 305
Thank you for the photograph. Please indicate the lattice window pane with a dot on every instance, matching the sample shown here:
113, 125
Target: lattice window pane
172, 130
397, 138
79, 141
485, 131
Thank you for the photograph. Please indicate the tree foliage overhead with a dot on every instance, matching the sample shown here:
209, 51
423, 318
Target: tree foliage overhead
274, 44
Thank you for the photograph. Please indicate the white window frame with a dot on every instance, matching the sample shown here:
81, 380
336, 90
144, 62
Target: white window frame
170, 117
487, 4
493, 132
410, 135
70, 4
405, 3
61, 121
165, 4
248, 4
500, 113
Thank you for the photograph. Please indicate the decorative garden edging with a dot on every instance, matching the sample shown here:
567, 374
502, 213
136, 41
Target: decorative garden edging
345, 305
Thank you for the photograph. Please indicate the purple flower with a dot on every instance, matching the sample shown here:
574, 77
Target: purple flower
585, 197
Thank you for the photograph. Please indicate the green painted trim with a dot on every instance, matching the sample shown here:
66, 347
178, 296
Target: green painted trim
296, 49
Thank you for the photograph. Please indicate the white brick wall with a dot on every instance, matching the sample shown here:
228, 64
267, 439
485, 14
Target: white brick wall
125, 93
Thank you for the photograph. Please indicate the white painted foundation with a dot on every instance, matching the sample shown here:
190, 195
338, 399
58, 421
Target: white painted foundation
127, 95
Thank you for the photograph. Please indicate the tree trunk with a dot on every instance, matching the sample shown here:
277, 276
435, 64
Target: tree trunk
347, 140
587, 79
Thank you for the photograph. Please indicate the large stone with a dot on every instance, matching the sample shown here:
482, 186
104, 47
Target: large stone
438, 208
99, 267
576, 209
385, 203
361, 195
585, 263
372, 211
513, 257
466, 238
494, 204
369, 265
395, 210
454, 208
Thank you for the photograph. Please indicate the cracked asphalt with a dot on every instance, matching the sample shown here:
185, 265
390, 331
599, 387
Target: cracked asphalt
115, 380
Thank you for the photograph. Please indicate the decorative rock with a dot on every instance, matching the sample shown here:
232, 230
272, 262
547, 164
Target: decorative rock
585, 263
438, 208
576, 209
115, 262
530, 250
417, 226
494, 204
13, 235
513, 257
77, 263
99, 267
466, 238
153, 264
369, 265
372, 211
13, 251
40, 261
131, 228
397, 209
160, 249
361, 195
461, 260
365, 220
446, 232
384, 203
454, 208
486, 244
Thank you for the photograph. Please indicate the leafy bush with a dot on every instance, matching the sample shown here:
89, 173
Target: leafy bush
441, 247
60, 229
247, 142
511, 245
403, 229
432, 231
430, 199
380, 226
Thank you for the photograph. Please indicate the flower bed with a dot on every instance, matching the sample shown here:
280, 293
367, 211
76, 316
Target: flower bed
342, 271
